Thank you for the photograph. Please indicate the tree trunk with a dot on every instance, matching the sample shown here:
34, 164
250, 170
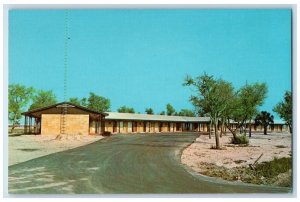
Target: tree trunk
250, 127
12, 128
14, 123
217, 137
265, 130
290, 128
222, 129
209, 130
234, 135
233, 132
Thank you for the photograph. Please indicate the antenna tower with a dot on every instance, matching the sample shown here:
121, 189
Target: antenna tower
66, 46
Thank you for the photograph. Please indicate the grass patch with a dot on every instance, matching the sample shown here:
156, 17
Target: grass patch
16, 131
275, 172
274, 167
28, 150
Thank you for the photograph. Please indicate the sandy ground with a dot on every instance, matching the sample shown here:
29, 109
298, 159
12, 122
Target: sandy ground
25, 147
199, 153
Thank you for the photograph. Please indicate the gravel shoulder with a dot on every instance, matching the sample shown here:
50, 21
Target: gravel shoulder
22, 148
201, 158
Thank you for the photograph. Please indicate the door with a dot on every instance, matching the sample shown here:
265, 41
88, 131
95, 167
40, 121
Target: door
115, 127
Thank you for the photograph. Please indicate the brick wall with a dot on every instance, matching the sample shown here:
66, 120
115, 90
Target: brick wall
75, 124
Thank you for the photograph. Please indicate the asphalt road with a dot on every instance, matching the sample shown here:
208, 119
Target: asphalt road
121, 164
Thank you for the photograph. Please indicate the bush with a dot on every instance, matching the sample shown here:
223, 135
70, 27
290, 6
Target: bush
274, 167
107, 133
276, 172
240, 139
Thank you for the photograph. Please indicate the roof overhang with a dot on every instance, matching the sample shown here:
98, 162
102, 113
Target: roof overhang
58, 107
158, 118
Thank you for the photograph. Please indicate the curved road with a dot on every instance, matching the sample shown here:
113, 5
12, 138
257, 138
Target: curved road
121, 164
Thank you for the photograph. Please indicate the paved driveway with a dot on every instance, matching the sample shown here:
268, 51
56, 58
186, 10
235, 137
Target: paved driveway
120, 164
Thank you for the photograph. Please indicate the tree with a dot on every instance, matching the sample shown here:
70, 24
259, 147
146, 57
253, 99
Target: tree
285, 109
264, 119
186, 112
84, 102
124, 109
18, 98
212, 96
98, 103
162, 113
149, 111
170, 110
43, 98
244, 106
75, 101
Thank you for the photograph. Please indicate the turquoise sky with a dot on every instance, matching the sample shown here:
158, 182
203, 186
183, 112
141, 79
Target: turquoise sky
139, 58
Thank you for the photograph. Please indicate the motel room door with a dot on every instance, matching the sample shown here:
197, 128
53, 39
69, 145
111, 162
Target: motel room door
134, 126
145, 126
115, 126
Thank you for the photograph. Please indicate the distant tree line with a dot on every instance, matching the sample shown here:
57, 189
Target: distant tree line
170, 111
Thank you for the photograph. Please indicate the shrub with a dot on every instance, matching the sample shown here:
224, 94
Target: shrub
274, 167
240, 139
106, 133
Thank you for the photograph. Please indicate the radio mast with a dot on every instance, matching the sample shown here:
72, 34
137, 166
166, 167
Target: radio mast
66, 46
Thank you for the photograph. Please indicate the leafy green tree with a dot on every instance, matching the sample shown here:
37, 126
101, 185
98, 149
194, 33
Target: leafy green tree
170, 110
98, 103
43, 98
285, 109
212, 96
84, 102
244, 106
18, 97
124, 109
75, 101
186, 112
162, 113
264, 119
149, 111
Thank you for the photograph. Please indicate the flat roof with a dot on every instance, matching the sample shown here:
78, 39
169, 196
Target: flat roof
150, 117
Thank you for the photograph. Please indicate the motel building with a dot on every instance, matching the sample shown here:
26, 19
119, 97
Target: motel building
145, 123
68, 118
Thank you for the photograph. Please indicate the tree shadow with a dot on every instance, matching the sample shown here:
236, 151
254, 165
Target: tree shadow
15, 135
28, 150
